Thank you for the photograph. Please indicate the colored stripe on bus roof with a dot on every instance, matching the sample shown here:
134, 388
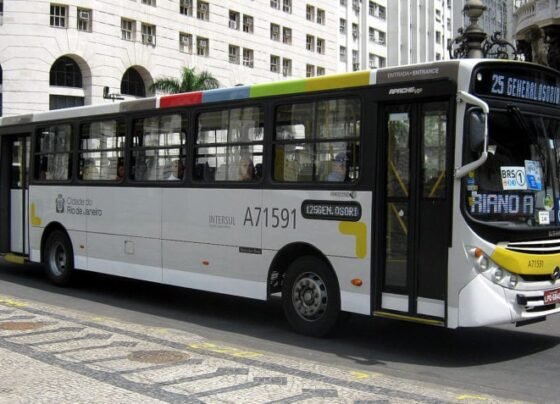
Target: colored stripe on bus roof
331, 82
226, 94
283, 87
178, 100
343, 80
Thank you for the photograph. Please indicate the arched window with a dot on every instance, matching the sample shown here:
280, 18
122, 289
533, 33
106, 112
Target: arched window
66, 73
132, 83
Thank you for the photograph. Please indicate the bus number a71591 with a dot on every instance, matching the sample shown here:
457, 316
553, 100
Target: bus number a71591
270, 217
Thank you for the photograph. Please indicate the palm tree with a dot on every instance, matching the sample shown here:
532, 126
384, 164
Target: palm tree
190, 80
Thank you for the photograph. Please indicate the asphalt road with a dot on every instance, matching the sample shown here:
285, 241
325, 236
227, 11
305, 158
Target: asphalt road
514, 363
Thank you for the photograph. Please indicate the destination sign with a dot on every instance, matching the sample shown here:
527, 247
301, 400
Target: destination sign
522, 85
330, 210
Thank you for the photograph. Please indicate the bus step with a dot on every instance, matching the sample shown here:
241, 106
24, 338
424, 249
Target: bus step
414, 319
15, 258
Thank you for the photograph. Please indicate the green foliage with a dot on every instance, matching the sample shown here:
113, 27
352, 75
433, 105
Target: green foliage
190, 80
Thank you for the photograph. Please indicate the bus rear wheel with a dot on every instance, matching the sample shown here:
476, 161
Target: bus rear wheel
59, 258
310, 297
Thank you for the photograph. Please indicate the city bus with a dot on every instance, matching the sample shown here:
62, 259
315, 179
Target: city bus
427, 193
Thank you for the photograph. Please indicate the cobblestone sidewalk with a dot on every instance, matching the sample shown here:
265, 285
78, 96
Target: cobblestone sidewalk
55, 355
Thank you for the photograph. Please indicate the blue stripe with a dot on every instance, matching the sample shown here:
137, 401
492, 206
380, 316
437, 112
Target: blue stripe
226, 94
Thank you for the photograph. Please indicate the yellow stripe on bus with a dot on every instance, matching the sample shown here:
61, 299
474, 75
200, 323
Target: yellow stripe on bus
358, 230
525, 264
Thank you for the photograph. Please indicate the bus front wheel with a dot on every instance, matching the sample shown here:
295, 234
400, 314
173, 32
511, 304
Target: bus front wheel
59, 258
310, 297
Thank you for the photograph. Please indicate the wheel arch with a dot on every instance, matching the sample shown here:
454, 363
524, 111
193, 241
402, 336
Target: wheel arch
285, 257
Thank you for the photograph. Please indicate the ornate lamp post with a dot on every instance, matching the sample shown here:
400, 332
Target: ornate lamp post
472, 42
474, 35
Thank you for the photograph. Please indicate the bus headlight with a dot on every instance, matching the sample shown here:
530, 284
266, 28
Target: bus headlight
498, 275
490, 270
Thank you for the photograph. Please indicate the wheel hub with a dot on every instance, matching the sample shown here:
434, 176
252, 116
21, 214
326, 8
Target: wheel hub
309, 296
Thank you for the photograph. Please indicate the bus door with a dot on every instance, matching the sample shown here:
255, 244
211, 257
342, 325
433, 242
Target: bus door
14, 194
417, 211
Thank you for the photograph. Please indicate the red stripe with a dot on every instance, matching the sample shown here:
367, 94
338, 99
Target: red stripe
178, 100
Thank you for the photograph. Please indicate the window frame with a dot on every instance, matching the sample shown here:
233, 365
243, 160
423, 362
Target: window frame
59, 15
212, 182
357, 141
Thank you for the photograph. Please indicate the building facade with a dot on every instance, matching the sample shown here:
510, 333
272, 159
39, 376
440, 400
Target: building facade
536, 26
71, 52
64, 54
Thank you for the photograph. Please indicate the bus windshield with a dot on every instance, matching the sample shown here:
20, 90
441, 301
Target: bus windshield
518, 186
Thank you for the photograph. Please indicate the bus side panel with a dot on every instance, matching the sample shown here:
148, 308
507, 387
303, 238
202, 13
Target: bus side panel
210, 241
124, 231
61, 204
345, 242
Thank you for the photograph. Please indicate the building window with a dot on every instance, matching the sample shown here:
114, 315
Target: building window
343, 3
371, 34
321, 16
310, 13
286, 67
342, 26
149, 2
371, 59
321, 46
248, 58
309, 70
128, 28
381, 37
148, 34
185, 42
343, 53
65, 73
132, 83
248, 24
57, 101
320, 71
202, 10
84, 20
355, 32
355, 60
287, 6
438, 37
234, 19
59, 16
1, 22
275, 64
275, 4
287, 35
234, 54
310, 43
186, 7
275, 32
202, 46
381, 61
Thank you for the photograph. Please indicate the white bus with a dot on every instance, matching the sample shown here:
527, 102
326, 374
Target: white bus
428, 193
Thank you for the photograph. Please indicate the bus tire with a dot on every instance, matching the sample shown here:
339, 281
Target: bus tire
311, 297
59, 258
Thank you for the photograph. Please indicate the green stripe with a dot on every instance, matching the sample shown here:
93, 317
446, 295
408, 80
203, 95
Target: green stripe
284, 87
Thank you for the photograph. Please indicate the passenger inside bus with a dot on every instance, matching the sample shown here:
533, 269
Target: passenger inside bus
177, 170
120, 170
339, 167
246, 169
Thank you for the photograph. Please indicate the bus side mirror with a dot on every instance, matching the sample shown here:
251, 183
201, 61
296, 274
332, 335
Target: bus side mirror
477, 126
478, 132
